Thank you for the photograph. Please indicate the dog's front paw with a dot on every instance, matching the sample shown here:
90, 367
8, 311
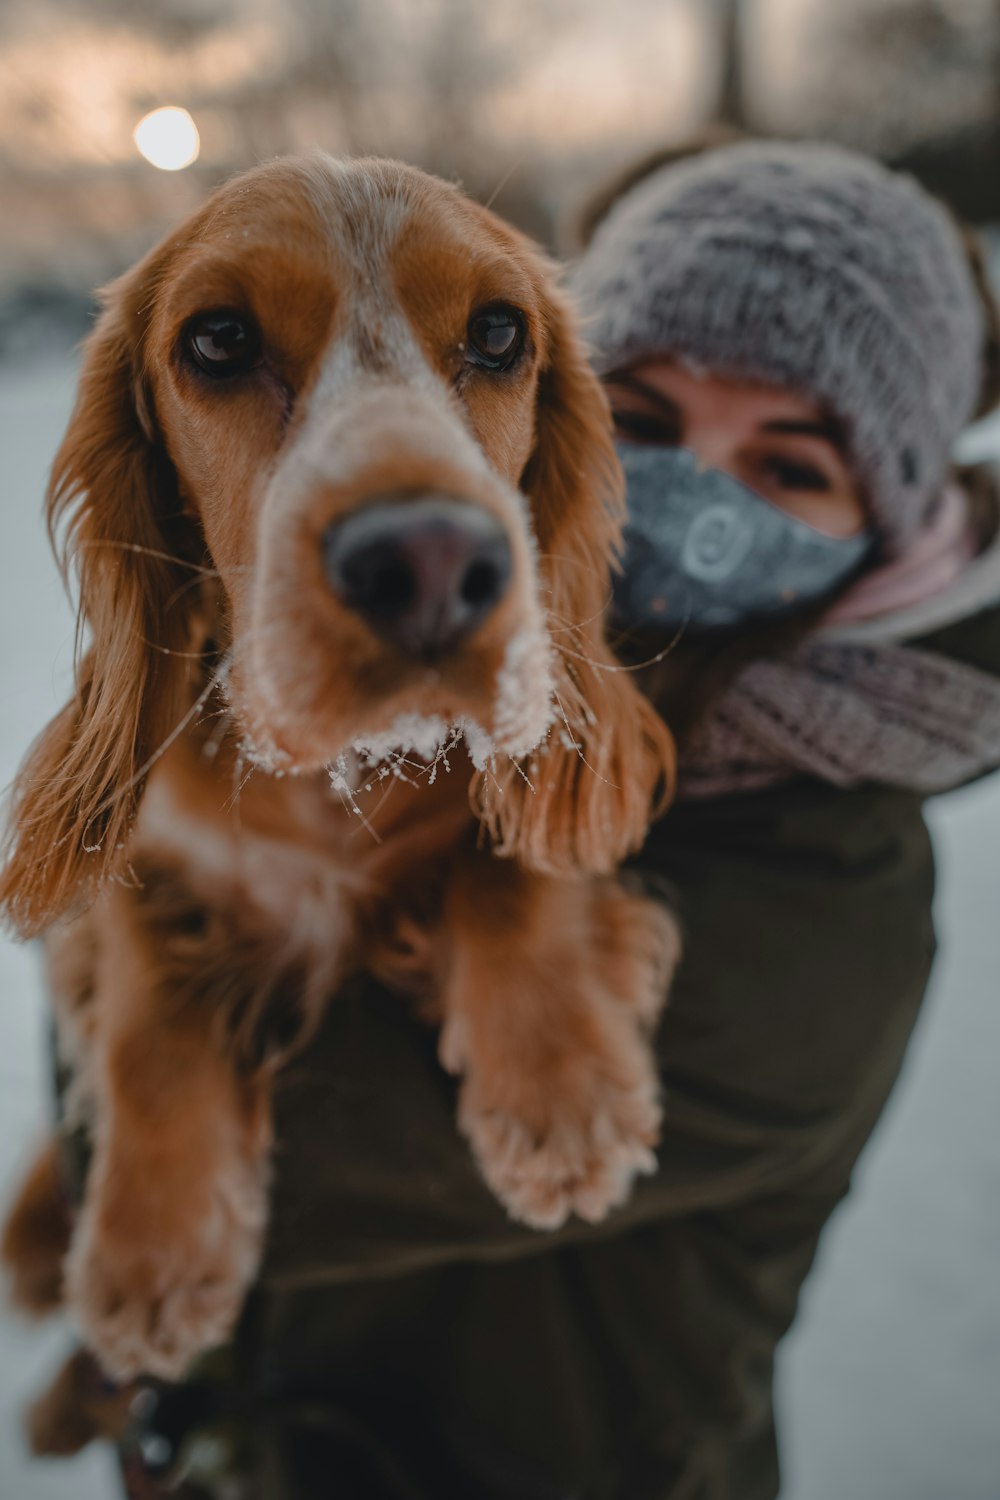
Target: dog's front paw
635, 948
568, 1138
150, 1287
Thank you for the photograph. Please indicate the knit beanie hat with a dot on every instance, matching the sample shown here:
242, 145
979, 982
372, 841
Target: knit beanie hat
809, 267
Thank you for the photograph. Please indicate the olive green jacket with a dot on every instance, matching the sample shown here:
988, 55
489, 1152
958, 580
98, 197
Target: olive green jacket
408, 1340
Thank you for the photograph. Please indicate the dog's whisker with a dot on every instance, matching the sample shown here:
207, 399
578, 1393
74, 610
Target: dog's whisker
128, 877
213, 743
441, 757
575, 744
147, 765
565, 560
339, 775
515, 167
169, 651
233, 803
181, 590
169, 557
578, 625
603, 666
522, 773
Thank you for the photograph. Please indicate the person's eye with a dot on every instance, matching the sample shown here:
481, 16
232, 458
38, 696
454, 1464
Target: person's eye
793, 474
645, 427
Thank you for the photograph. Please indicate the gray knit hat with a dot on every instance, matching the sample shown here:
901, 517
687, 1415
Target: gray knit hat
809, 267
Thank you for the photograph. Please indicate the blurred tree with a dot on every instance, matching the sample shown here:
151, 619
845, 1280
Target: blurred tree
412, 78
915, 81
731, 24
962, 165
888, 73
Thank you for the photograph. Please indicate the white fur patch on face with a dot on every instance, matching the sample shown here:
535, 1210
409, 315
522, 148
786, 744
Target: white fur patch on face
522, 716
524, 706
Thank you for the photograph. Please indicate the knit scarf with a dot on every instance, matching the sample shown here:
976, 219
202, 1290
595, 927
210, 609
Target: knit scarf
856, 703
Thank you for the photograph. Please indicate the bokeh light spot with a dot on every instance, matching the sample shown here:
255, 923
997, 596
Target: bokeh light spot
168, 138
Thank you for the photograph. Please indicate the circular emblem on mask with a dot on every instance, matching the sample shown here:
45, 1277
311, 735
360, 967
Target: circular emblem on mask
717, 541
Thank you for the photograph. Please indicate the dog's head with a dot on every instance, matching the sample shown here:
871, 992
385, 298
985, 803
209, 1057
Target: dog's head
336, 442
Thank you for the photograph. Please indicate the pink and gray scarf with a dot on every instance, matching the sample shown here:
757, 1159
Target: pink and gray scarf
855, 701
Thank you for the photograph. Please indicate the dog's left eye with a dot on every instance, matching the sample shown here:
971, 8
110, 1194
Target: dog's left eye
495, 337
223, 342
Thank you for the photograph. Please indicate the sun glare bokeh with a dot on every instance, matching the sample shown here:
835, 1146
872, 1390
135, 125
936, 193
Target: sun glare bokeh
168, 138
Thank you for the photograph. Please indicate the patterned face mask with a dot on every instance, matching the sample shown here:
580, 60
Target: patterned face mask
705, 551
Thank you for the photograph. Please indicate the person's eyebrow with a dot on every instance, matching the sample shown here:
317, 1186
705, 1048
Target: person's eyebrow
649, 393
823, 427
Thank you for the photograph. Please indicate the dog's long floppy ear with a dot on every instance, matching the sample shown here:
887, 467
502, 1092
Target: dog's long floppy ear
112, 503
585, 798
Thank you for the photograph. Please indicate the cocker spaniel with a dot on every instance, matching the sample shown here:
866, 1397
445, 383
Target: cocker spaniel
340, 489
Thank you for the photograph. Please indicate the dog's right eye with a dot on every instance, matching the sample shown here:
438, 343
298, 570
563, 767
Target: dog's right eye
223, 342
495, 337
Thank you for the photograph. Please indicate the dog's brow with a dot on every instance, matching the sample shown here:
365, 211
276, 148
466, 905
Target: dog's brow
363, 217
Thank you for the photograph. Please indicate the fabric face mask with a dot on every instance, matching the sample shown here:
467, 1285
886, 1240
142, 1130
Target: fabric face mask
703, 550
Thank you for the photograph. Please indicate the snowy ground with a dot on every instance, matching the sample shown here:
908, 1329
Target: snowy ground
890, 1383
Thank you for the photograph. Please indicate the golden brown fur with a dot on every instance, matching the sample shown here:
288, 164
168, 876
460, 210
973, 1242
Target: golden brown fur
175, 830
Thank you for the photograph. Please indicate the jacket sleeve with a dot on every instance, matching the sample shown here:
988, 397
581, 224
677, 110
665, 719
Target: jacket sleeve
778, 1047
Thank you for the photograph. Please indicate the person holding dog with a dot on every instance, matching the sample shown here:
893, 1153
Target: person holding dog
792, 338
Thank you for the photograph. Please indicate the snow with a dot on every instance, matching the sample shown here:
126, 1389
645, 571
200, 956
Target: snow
523, 710
524, 701
889, 1385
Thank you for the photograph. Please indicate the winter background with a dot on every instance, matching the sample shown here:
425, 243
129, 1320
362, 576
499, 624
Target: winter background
889, 1384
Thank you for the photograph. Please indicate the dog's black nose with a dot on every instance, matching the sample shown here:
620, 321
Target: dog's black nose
422, 573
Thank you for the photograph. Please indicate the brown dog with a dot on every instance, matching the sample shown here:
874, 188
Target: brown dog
341, 491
